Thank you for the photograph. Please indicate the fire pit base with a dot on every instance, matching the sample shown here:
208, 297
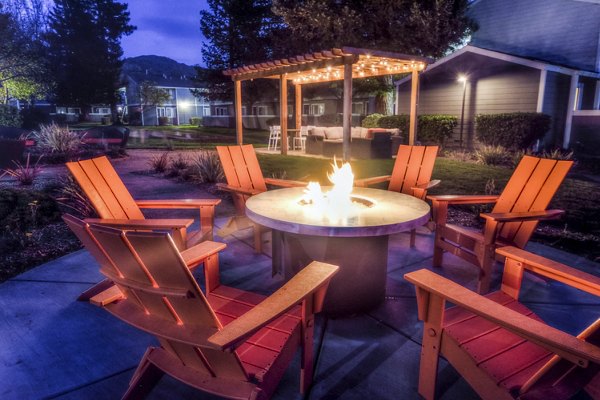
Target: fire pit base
359, 285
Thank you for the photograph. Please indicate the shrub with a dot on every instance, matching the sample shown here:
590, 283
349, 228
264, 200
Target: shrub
54, 138
72, 197
394, 122
513, 131
196, 121
9, 116
208, 167
435, 128
33, 117
24, 174
159, 163
493, 155
371, 121
164, 121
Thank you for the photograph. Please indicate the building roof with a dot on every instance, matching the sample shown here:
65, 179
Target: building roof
504, 57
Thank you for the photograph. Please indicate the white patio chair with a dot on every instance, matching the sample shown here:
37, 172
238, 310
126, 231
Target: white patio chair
300, 140
274, 137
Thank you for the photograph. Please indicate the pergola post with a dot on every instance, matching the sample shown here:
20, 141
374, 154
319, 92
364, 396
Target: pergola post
298, 105
347, 111
238, 112
412, 134
283, 113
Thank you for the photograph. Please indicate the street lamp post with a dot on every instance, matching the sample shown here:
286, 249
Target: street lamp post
463, 79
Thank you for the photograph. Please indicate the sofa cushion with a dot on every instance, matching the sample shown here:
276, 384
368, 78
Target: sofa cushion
356, 132
334, 132
317, 131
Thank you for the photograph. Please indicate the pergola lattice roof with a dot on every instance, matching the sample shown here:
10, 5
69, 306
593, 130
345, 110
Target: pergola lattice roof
328, 65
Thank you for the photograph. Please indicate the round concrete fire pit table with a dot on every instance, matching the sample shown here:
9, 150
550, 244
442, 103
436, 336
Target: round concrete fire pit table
357, 242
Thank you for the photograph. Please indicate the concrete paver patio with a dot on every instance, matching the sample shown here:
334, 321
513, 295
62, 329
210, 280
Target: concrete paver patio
54, 347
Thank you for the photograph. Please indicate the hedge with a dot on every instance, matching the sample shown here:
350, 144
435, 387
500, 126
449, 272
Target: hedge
196, 121
514, 131
371, 121
433, 128
9, 116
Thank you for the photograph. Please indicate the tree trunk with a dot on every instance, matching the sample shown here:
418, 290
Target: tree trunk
384, 101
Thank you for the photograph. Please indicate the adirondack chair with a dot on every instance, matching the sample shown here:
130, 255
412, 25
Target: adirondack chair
501, 348
228, 342
115, 206
104, 292
244, 179
513, 219
411, 174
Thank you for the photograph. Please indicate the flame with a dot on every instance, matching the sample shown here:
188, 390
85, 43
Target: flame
337, 203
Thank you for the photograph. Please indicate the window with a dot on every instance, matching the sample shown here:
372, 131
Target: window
73, 110
259, 110
578, 97
244, 110
100, 110
221, 111
205, 111
359, 108
164, 112
313, 109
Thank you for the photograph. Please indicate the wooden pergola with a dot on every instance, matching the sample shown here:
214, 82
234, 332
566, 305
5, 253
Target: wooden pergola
326, 66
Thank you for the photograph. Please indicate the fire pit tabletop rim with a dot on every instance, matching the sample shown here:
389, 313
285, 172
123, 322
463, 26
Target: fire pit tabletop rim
392, 213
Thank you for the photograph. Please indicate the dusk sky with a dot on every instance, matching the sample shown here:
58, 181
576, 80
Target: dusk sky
166, 28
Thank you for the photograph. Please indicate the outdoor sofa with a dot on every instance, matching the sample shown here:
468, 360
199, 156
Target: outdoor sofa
366, 142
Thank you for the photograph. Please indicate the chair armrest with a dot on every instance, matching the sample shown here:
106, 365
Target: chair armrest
566, 346
238, 190
371, 181
464, 199
180, 203
142, 224
523, 216
553, 270
285, 182
304, 284
198, 253
428, 185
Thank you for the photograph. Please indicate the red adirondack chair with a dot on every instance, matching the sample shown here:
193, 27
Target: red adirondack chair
244, 179
411, 174
226, 342
499, 346
513, 219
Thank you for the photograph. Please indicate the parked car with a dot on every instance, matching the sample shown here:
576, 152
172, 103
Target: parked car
106, 135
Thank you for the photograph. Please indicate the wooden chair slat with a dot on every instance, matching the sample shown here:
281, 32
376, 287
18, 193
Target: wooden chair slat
97, 201
224, 153
103, 189
515, 184
241, 168
427, 165
414, 168
251, 161
400, 167
127, 203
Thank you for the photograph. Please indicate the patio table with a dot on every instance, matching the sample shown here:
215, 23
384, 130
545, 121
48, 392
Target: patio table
358, 243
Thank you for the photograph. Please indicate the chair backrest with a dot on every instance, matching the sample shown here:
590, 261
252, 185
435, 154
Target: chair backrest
530, 188
163, 298
241, 167
105, 190
413, 166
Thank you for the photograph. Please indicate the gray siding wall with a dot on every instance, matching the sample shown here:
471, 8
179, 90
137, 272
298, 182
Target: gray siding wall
511, 89
565, 32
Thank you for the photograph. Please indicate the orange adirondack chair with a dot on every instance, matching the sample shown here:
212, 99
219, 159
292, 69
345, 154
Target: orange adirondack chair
501, 348
411, 174
244, 179
228, 342
105, 291
115, 206
513, 220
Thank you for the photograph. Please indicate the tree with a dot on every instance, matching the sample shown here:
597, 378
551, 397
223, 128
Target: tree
238, 32
151, 95
85, 52
421, 27
22, 66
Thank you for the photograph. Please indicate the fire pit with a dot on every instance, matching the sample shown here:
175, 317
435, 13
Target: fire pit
353, 235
